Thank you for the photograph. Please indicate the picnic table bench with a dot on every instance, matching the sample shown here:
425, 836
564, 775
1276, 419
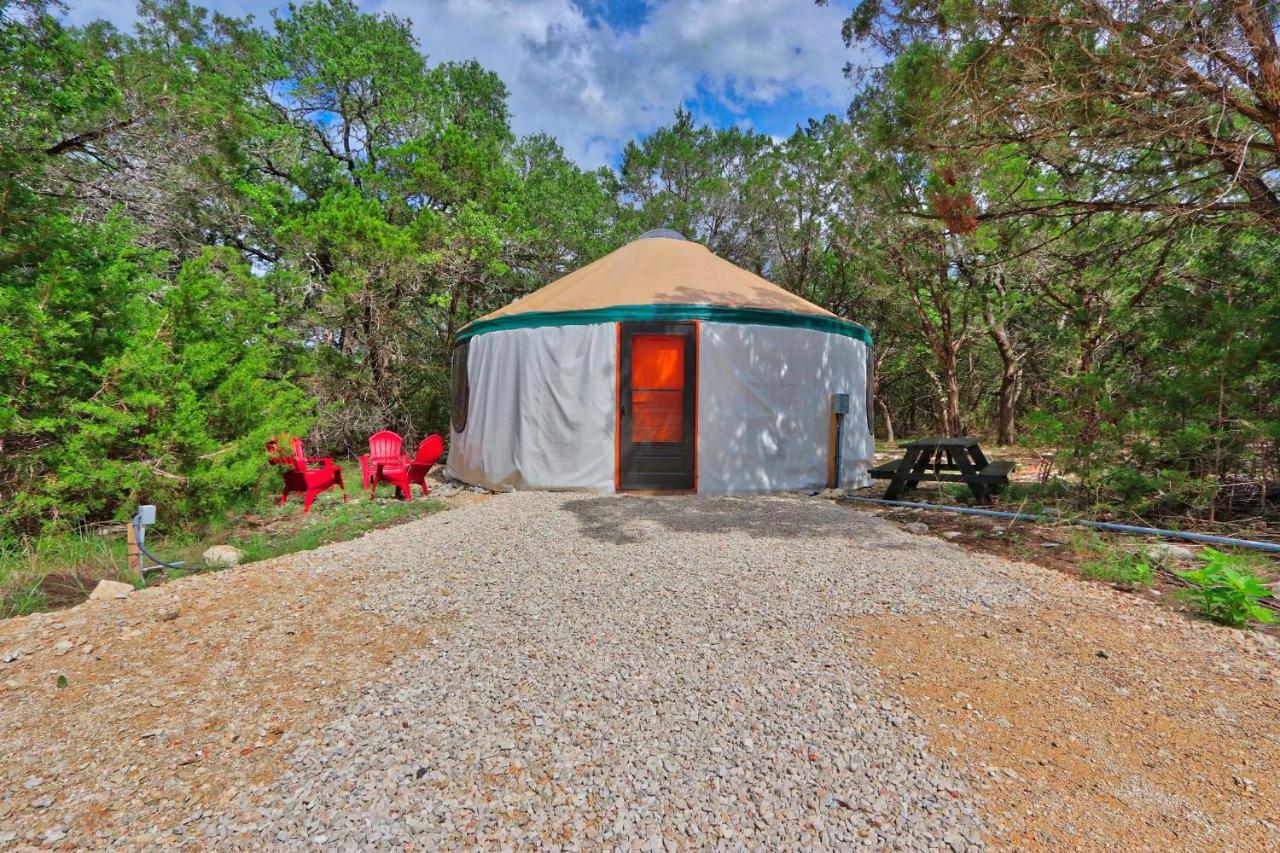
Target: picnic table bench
950, 460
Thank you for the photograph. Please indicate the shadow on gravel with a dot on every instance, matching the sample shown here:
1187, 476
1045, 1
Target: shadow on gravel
629, 519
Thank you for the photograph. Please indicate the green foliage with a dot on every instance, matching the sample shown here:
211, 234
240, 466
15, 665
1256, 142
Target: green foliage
1123, 279
213, 231
133, 390
335, 209
691, 179
1225, 592
394, 195
1121, 569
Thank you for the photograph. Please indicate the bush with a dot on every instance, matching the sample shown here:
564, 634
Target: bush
1224, 593
173, 408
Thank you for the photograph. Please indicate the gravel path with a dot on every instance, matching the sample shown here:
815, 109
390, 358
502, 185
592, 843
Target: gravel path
562, 671
635, 673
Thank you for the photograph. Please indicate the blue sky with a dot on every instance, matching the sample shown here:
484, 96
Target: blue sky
595, 73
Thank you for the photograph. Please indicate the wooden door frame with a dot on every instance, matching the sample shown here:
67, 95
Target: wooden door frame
617, 403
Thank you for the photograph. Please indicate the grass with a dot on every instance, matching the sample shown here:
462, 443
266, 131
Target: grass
1083, 543
1122, 568
60, 570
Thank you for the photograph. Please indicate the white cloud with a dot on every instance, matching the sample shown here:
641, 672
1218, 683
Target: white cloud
593, 86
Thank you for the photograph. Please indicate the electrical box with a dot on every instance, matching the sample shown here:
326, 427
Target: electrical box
146, 514
840, 404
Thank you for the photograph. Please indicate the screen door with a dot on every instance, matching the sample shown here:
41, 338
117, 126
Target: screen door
657, 411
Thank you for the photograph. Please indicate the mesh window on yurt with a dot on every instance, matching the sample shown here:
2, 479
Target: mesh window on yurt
657, 388
460, 388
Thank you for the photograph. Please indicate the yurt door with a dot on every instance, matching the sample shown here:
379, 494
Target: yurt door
657, 395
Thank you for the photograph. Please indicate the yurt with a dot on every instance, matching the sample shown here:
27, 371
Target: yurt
661, 367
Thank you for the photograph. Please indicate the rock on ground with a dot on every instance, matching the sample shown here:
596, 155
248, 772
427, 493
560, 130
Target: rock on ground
1164, 552
110, 589
222, 555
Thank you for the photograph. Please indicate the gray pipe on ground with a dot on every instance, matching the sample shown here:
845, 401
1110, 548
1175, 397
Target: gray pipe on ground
1208, 538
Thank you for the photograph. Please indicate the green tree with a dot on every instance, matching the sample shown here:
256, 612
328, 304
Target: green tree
1157, 108
692, 179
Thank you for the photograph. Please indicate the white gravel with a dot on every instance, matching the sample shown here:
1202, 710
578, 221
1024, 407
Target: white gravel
635, 673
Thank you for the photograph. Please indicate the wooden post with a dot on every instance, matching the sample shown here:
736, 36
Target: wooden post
831, 451
839, 408
134, 552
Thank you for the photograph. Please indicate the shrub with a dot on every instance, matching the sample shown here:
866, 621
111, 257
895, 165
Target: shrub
1224, 593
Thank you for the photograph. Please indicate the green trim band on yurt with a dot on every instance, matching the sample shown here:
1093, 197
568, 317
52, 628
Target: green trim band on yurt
643, 313
661, 367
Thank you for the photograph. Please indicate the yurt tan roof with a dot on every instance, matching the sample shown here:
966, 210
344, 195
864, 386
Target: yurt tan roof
661, 276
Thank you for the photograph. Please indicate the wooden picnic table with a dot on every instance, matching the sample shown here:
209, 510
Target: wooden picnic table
950, 460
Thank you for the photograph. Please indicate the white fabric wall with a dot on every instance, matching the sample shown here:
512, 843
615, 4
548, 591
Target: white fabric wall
542, 410
764, 408
543, 405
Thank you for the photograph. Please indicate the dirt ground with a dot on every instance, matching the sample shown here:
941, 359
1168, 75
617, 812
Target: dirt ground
178, 695
1131, 724
1052, 547
1097, 719
1113, 727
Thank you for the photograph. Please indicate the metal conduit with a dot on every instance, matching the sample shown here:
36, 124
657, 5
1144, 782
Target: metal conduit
140, 532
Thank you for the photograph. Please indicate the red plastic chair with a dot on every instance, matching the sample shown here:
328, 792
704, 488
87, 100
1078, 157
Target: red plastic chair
404, 476
300, 477
384, 449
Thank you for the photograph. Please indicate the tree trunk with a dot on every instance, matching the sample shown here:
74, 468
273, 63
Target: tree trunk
946, 383
377, 352
1007, 405
888, 420
1087, 397
1010, 379
951, 384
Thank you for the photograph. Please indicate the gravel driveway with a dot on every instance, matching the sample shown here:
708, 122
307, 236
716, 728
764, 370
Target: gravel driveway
535, 669
635, 672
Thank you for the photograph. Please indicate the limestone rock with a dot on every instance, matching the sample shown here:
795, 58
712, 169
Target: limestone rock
222, 555
1163, 552
916, 527
110, 589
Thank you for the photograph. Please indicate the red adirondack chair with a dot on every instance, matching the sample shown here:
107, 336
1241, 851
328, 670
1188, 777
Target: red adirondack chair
301, 477
404, 476
384, 449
